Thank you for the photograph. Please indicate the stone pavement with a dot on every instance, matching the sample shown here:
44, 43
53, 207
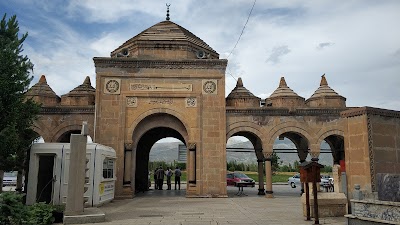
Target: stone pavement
172, 208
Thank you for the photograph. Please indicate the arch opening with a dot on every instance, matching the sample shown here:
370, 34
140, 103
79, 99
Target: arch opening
148, 131
334, 143
146, 143
292, 142
244, 155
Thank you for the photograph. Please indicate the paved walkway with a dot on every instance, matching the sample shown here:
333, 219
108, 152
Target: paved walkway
172, 208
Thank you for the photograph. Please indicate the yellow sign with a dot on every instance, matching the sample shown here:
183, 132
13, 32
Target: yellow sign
101, 188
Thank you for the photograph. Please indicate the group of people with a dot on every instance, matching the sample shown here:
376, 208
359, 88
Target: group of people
159, 174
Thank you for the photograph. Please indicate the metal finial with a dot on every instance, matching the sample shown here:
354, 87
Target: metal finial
168, 5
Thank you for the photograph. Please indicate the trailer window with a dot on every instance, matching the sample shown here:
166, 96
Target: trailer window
108, 168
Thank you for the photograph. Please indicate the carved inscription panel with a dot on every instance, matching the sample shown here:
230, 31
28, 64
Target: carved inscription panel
161, 87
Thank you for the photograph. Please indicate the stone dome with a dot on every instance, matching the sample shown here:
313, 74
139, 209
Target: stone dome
166, 40
325, 96
241, 97
83, 94
42, 93
285, 97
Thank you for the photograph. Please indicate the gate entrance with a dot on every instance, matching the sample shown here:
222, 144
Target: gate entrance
150, 130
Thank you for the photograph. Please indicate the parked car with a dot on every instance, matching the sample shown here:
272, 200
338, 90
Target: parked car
10, 178
295, 180
326, 180
238, 178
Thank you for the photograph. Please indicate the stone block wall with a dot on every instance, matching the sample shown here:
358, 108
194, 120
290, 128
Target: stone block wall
372, 145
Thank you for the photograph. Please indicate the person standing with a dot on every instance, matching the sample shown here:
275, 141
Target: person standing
155, 179
160, 177
178, 174
168, 173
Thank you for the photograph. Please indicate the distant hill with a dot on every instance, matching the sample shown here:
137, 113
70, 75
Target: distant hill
168, 152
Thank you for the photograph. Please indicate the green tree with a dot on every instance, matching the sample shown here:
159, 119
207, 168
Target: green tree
16, 113
275, 162
296, 165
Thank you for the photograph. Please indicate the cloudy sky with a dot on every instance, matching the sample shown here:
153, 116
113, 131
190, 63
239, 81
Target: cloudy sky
355, 43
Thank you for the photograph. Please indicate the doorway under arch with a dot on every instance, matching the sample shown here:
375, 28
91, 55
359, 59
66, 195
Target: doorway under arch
148, 131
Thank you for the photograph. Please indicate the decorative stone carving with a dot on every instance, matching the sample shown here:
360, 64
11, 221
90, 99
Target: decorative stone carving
268, 155
191, 146
112, 86
388, 186
128, 145
371, 153
191, 102
209, 86
161, 101
314, 154
165, 87
131, 101
380, 211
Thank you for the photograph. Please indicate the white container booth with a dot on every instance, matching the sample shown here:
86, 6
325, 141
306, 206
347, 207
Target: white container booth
49, 169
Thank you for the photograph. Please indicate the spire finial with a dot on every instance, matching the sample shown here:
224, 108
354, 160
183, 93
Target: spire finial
87, 81
168, 5
282, 82
323, 81
42, 79
239, 82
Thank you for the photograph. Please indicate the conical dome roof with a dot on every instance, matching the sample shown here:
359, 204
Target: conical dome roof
85, 88
241, 97
165, 34
324, 89
240, 92
42, 93
283, 90
41, 88
326, 97
84, 94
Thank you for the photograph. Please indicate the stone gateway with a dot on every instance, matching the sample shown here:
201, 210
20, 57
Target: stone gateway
167, 82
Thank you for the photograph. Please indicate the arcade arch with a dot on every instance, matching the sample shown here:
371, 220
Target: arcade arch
147, 132
256, 143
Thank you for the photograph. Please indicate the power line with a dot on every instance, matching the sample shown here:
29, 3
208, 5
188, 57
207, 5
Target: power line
244, 27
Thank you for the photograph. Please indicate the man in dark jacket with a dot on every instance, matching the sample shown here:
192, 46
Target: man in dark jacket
155, 179
160, 178
178, 174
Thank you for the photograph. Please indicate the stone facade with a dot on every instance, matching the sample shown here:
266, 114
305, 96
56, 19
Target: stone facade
166, 82
372, 145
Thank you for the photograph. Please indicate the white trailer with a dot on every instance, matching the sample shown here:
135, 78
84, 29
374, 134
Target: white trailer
49, 168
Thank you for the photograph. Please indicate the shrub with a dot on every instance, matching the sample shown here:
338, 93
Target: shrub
40, 213
12, 210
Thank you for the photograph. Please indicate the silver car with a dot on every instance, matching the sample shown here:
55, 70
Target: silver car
295, 180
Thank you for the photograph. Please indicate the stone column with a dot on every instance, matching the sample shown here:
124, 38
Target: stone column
77, 172
261, 190
268, 174
192, 163
133, 171
127, 162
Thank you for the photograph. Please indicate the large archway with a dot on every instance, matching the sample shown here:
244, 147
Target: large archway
143, 153
148, 131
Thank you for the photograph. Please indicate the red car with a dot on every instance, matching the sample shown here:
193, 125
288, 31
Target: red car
239, 179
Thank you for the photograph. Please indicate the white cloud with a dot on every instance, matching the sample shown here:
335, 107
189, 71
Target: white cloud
354, 42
